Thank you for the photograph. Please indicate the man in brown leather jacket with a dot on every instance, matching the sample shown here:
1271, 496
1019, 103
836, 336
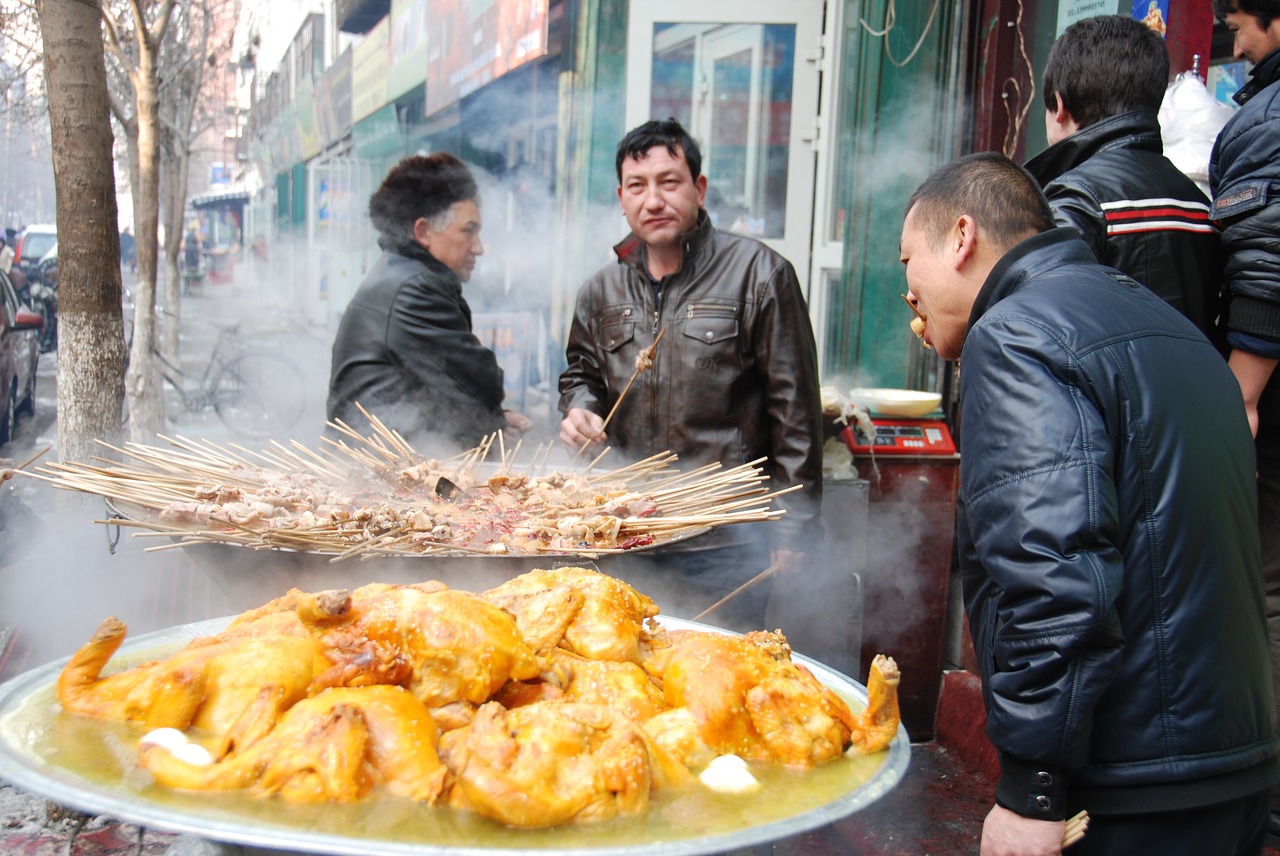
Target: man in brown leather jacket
734, 378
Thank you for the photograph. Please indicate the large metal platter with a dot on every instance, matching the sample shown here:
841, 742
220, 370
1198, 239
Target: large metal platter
30, 718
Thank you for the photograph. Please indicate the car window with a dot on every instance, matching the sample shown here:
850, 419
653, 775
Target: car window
36, 245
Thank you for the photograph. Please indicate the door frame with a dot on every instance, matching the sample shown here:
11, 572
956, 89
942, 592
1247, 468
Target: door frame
802, 163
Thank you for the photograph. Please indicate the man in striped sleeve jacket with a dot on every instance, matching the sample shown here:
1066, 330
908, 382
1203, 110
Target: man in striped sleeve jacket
1105, 173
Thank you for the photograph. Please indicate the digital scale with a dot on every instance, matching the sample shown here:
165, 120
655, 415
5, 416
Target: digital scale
901, 437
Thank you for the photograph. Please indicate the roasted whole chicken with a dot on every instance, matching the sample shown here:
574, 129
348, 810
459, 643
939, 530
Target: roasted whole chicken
550, 763
578, 609
744, 695
554, 698
333, 746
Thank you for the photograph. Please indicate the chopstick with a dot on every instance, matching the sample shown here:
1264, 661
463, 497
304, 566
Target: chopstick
747, 586
1075, 829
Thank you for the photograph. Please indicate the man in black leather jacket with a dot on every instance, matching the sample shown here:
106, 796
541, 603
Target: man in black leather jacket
1106, 533
1244, 175
1105, 173
735, 377
404, 349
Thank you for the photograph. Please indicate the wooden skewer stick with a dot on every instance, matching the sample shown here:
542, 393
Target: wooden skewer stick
648, 353
31, 460
747, 586
913, 307
1075, 829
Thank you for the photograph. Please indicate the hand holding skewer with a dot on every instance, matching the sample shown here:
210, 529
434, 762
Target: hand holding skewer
643, 361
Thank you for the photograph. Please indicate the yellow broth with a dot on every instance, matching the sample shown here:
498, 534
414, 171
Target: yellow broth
104, 753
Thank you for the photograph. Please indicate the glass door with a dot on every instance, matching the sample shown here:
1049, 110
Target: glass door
743, 77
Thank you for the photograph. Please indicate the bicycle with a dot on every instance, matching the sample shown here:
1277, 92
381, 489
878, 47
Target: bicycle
256, 393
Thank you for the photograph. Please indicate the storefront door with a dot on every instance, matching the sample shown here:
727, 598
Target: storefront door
743, 77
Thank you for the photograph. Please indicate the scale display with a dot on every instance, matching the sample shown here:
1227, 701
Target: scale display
901, 437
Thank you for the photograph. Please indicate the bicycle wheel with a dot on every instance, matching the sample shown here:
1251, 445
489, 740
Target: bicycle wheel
259, 394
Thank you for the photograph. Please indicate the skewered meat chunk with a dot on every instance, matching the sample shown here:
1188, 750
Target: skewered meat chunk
555, 762
333, 746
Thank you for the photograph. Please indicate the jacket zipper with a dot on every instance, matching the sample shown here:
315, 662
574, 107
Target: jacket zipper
710, 309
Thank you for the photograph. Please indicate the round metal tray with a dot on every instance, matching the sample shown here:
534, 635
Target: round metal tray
127, 797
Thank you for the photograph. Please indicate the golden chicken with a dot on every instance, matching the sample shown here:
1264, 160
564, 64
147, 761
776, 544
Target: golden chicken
337, 745
556, 762
599, 617
457, 646
876, 726
744, 695
210, 683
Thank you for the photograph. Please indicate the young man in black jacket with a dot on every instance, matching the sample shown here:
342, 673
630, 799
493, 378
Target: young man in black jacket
1105, 173
1244, 175
1108, 554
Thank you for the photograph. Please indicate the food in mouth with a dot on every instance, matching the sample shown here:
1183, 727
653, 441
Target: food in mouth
918, 323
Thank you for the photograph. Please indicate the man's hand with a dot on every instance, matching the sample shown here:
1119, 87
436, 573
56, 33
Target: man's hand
580, 426
1005, 833
788, 562
1253, 373
517, 423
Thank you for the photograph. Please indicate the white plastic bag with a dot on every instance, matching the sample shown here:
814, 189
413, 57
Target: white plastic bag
1190, 119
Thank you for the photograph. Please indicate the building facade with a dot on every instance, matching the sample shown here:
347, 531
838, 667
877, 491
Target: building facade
817, 119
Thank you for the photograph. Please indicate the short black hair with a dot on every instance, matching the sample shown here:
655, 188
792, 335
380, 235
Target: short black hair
1263, 10
419, 186
1003, 199
1105, 66
659, 132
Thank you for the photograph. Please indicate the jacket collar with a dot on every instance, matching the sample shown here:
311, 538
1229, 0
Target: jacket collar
631, 251
1037, 254
1263, 75
410, 248
1138, 129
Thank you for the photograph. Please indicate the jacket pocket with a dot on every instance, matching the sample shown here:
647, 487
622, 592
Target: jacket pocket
712, 323
615, 334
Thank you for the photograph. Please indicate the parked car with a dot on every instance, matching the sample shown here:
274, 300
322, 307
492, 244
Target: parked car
32, 243
19, 356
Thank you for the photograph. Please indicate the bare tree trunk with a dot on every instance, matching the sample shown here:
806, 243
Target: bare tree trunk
91, 342
143, 382
174, 185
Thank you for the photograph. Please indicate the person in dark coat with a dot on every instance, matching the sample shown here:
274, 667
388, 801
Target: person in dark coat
405, 350
1108, 553
1244, 177
1105, 172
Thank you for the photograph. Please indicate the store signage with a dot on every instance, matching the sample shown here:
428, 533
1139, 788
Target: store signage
473, 42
